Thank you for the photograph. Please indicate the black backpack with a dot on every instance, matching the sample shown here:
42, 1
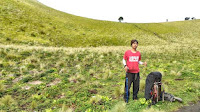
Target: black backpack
154, 89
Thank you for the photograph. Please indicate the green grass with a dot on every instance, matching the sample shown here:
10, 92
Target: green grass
38, 43
30, 22
90, 77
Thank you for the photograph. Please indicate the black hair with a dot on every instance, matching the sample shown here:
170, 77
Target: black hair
132, 41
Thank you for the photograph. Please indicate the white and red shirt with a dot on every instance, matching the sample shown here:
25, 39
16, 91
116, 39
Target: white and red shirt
132, 61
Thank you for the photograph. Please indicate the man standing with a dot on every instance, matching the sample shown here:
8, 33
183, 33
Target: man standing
131, 61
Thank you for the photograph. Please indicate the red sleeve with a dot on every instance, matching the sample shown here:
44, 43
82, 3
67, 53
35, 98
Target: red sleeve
125, 56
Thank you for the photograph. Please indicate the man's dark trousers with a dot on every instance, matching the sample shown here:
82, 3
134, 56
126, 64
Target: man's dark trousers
131, 78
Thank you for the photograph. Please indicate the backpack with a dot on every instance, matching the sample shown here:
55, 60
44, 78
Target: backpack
154, 89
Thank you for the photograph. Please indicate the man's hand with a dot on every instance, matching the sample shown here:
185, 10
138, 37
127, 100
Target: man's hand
145, 63
126, 69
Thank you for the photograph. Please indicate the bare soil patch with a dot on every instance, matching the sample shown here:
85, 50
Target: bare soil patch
190, 108
35, 82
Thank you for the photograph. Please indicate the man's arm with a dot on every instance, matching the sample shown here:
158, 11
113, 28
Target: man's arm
143, 63
125, 66
124, 62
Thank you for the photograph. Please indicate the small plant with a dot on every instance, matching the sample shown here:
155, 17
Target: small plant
26, 79
89, 110
36, 97
69, 110
2, 87
91, 72
63, 109
119, 107
151, 110
76, 78
108, 74
95, 99
142, 85
98, 99
142, 101
106, 98
33, 105
48, 110
7, 100
117, 92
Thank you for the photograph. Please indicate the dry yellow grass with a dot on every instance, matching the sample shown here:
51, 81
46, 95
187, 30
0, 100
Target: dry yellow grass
171, 48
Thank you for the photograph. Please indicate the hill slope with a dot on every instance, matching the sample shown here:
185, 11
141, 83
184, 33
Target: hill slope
30, 22
36, 76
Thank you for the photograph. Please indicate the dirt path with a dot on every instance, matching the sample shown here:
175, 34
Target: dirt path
191, 108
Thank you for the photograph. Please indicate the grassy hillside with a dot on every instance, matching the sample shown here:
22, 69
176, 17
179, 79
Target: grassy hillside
37, 76
91, 79
30, 22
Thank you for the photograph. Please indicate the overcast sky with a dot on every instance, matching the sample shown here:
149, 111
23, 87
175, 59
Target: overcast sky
133, 11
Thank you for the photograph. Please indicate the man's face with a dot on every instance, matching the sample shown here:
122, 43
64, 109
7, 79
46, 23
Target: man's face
134, 45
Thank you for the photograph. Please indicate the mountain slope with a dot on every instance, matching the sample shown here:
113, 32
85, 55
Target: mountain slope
30, 22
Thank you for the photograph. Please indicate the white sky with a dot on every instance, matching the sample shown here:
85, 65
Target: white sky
133, 11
